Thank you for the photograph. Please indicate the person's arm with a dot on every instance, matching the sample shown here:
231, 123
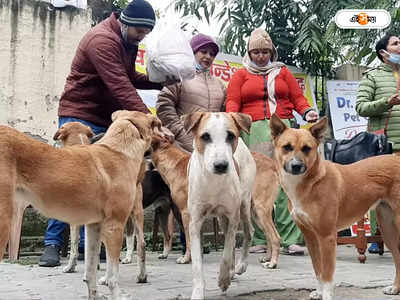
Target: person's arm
367, 105
141, 81
105, 56
233, 95
296, 96
168, 100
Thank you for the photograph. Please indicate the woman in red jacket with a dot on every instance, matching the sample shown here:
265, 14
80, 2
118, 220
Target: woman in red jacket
262, 87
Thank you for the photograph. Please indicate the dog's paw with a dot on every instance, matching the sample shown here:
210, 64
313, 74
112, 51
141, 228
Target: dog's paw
224, 282
391, 290
240, 268
182, 260
141, 278
103, 281
163, 256
70, 268
265, 259
269, 265
198, 294
315, 295
127, 260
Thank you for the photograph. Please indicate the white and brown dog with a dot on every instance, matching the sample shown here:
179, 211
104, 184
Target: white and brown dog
83, 184
325, 197
221, 175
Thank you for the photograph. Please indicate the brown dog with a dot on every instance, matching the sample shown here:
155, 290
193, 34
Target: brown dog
171, 162
83, 184
325, 197
69, 134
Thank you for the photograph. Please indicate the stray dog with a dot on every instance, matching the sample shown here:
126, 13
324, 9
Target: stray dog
156, 193
69, 134
264, 193
82, 184
221, 175
326, 197
172, 163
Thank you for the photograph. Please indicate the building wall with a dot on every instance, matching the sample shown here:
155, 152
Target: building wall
37, 45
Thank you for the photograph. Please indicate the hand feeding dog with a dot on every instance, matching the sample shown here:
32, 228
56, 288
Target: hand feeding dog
83, 184
221, 175
326, 197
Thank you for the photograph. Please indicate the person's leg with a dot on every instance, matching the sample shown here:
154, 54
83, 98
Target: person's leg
53, 242
374, 248
290, 234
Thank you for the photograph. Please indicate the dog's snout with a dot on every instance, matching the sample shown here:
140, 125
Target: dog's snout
295, 166
221, 167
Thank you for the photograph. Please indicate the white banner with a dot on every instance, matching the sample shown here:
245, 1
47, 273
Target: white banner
342, 96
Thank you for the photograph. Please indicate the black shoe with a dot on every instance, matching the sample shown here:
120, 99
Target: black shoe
50, 256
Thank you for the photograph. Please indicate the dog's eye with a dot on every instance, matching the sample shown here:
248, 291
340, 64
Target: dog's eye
205, 137
306, 149
230, 137
288, 147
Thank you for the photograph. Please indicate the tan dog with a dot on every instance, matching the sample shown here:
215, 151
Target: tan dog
264, 193
172, 163
326, 197
85, 184
221, 175
69, 134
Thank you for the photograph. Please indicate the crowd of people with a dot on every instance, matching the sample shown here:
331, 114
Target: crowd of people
103, 79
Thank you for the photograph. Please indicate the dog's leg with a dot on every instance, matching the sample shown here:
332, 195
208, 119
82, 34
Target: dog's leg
328, 257
6, 212
113, 235
248, 231
313, 247
73, 255
187, 257
166, 218
92, 244
196, 222
225, 275
141, 244
130, 241
390, 233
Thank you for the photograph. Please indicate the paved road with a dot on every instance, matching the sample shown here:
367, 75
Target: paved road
168, 280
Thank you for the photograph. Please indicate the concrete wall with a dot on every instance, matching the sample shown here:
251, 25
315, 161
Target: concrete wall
37, 45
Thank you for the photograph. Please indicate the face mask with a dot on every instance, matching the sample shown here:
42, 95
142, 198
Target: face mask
199, 67
393, 58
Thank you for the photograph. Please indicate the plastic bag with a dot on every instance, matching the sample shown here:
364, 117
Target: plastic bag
170, 55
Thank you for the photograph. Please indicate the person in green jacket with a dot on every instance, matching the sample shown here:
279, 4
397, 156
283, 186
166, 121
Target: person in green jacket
378, 94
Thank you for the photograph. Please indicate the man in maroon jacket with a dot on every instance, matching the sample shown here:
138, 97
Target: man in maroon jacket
102, 80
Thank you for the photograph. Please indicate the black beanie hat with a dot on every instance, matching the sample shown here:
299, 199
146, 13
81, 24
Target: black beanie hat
138, 13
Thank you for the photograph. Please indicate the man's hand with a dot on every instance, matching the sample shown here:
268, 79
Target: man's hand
170, 80
394, 100
312, 116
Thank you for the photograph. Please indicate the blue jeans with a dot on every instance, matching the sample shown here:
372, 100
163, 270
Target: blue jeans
55, 228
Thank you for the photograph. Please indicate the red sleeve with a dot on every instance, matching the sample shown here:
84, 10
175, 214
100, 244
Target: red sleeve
105, 56
233, 95
295, 93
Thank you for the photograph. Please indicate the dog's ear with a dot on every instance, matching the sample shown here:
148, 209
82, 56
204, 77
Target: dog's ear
60, 134
116, 114
277, 126
89, 132
318, 129
242, 121
190, 121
